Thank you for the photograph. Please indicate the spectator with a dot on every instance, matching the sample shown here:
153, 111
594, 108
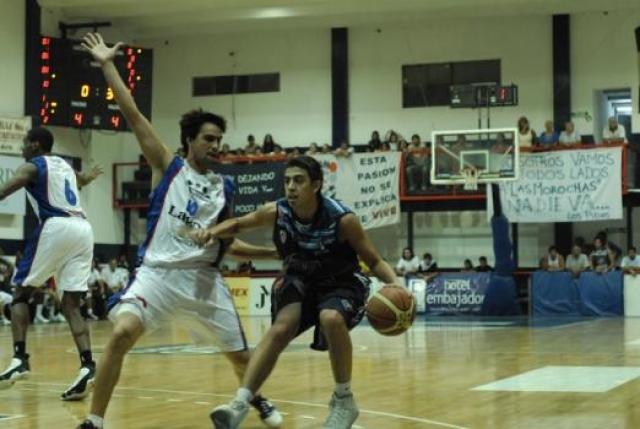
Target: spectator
95, 297
123, 262
326, 148
467, 267
393, 138
576, 261
527, 137
549, 137
115, 277
277, 151
384, 147
417, 165
428, 264
403, 146
6, 296
614, 132
251, 144
295, 152
484, 266
615, 252
344, 149
600, 257
374, 143
313, 149
630, 263
408, 263
569, 136
553, 261
268, 144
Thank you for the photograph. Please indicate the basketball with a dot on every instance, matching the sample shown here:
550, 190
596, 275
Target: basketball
391, 310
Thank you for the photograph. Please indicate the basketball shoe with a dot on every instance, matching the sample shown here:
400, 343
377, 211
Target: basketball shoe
343, 411
17, 369
87, 424
268, 412
81, 385
229, 416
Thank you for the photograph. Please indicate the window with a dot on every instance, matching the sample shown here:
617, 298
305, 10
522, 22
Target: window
235, 84
429, 84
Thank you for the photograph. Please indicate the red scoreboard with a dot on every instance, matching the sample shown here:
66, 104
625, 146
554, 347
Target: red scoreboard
74, 93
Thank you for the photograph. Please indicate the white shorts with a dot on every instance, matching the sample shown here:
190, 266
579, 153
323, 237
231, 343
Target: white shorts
62, 248
5, 298
198, 295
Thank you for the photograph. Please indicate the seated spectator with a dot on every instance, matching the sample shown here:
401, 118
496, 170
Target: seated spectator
403, 146
484, 266
384, 147
600, 257
549, 137
467, 267
408, 263
344, 149
553, 261
251, 144
326, 148
631, 263
393, 138
268, 144
295, 152
428, 264
526, 136
615, 252
576, 261
6, 294
614, 132
277, 151
313, 149
417, 165
115, 277
569, 136
94, 299
374, 143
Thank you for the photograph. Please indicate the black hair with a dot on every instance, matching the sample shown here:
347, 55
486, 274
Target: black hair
410, 250
191, 123
427, 255
553, 248
308, 164
41, 135
632, 248
482, 258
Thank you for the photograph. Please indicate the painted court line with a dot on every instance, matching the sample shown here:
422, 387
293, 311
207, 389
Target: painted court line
301, 403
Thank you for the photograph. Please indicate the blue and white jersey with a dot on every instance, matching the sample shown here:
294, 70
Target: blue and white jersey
55, 191
183, 200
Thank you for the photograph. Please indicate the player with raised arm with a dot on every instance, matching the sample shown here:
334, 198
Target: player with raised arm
320, 240
174, 274
61, 246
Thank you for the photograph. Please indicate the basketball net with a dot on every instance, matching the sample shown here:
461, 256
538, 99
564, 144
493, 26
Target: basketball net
470, 179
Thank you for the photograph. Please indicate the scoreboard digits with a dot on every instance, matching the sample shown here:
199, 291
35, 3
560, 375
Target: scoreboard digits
74, 93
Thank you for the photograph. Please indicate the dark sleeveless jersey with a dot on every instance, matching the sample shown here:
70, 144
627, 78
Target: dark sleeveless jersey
314, 249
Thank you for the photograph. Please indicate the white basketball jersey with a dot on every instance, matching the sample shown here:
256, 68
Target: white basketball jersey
55, 192
184, 199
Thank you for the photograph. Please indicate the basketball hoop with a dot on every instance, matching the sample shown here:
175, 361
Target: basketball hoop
470, 179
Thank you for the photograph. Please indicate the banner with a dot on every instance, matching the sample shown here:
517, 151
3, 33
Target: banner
239, 288
456, 293
12, 132
15, 204
260, 296
368, 183
564, 186
255, 184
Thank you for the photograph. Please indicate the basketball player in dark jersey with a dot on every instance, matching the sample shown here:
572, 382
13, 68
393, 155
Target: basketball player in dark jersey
319, 240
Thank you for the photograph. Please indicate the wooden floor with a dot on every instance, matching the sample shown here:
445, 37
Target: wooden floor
423, 379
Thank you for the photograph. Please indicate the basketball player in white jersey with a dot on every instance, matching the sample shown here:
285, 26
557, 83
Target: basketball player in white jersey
60, 247
175, 276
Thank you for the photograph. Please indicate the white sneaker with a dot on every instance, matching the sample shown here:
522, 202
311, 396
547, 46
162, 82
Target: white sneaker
229, 416
91, 316
17, 369
5, 322
81, 385
59, 318
40, 320
343, 411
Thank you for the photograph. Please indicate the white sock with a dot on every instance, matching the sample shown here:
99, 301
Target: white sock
39, 310
96, 420
343, 389
243, 394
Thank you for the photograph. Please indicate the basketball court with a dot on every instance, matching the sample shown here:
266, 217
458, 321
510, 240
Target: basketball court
443, 373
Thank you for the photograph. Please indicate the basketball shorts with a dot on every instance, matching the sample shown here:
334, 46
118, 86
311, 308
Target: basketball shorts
62, 248
196, 297
346, 294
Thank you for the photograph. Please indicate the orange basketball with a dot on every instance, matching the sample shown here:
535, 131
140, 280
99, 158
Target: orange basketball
391, 310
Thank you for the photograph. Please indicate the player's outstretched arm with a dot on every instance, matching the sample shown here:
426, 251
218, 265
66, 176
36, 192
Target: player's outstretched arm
155, 151
265, 216
351, 230
85, 177
244, 251
24, 174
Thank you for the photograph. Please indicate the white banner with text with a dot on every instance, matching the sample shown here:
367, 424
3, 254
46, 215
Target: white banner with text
564, 186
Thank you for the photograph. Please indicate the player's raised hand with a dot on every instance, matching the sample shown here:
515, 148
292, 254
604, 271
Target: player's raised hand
95, 171
94, 44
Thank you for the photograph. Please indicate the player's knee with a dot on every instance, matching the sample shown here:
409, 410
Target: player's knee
331, 319
123, 339
281, 333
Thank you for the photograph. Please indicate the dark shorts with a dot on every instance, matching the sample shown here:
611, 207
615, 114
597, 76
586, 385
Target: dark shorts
346, 294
